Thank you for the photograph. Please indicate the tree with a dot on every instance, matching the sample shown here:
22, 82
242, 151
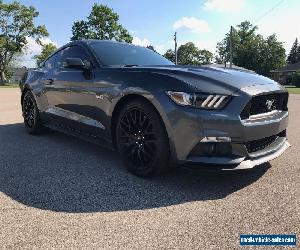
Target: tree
10, 68
151, 47
250, 50
298, 53
16, 23
271, 56
102, 23
189, 54
47, 50
223, 47
205, 56
170, 55
8, 73
293, 56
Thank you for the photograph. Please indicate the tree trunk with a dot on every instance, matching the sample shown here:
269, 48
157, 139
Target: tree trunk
2, 78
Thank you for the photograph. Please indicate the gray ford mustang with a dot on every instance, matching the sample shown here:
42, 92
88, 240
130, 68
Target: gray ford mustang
156, 113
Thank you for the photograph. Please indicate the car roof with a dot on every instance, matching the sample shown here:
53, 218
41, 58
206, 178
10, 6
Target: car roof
86, 43
90, 41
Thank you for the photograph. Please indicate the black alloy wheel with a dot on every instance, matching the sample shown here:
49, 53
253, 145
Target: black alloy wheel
142, 140
31, 114
28, 111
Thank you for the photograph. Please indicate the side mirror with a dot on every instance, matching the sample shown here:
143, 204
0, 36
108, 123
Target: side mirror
74, 63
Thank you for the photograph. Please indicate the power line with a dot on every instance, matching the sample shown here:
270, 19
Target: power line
268, 12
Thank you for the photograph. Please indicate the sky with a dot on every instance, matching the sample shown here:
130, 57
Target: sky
204, 22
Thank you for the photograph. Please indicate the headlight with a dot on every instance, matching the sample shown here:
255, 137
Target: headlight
199, 100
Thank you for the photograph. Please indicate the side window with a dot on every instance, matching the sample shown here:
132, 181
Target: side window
59, 60
71, 52
50, 63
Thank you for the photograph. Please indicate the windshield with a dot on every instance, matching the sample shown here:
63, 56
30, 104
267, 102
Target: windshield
122, 54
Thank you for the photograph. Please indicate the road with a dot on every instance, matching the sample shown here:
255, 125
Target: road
59, 192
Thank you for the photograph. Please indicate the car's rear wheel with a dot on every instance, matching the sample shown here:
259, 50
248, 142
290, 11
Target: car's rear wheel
142, 140
31, 114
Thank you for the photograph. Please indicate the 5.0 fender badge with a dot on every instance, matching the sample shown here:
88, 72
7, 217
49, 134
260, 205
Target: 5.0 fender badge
99, 97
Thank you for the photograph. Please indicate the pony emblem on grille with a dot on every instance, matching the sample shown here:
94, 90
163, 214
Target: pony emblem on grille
269, 104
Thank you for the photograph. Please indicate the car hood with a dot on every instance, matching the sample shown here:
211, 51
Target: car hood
198, 77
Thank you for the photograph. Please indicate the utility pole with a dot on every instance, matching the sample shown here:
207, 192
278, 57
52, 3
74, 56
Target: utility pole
175, 40
231, 46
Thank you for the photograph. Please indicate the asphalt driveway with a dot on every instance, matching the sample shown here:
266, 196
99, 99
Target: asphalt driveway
60, 192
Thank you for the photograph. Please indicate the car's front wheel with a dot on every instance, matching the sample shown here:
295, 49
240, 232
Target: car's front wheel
142, 140
31, 114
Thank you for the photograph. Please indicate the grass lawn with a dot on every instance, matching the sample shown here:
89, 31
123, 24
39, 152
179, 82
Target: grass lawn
293, 89
10, 85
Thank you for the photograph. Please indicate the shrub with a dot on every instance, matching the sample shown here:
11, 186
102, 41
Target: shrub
289, 80
296, 79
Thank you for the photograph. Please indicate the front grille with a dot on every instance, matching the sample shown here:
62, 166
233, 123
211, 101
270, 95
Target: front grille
260, 144
265, 103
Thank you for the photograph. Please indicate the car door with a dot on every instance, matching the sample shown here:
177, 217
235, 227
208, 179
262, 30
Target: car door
71, 93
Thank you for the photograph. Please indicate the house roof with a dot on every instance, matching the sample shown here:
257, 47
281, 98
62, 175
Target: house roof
289, 67
19, 71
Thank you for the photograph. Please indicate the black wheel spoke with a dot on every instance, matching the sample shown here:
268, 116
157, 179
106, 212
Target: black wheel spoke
125, 127
146, 154
141, 160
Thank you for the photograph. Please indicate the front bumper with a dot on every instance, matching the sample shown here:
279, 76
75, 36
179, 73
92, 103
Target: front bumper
250, 163
236, 162
189, 126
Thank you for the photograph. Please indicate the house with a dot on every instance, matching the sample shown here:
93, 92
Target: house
284, 74
18, 74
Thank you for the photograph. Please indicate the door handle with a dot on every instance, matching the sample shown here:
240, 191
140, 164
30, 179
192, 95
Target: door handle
49, 81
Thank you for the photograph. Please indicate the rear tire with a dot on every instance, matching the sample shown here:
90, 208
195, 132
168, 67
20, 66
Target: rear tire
31, 115
142, 140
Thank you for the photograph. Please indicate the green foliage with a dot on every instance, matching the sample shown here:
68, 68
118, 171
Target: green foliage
47, 50
170, 55
151, 47
8, 72
296, 79
252, 51
189, 54
298, 53
102, 23
16, 23
294, 55
205, 57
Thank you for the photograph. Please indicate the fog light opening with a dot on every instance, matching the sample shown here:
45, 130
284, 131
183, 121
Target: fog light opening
212, 147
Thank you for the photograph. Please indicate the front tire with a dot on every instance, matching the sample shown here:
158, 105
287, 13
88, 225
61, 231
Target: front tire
142, 140
31, 115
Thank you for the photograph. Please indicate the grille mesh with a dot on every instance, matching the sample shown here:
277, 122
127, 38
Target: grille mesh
260, 144
265, 103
